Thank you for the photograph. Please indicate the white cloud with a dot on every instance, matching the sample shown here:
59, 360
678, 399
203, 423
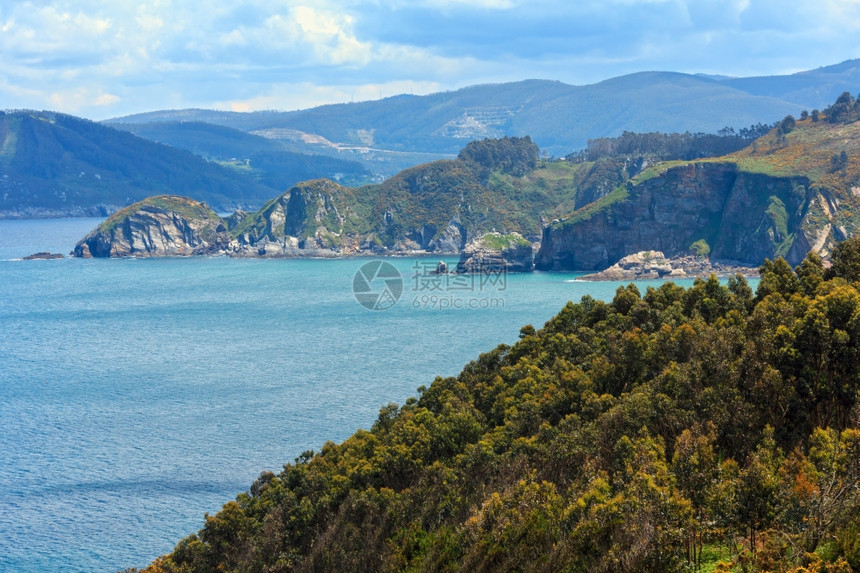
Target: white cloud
330, 36
99, 58
485, 4
306, 95
81, 98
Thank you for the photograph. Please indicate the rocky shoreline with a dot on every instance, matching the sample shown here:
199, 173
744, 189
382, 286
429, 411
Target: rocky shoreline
654, 265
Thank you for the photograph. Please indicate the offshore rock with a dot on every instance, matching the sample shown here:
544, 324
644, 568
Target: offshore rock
43, 256
653, 265
643, 265
165, 225
495, 252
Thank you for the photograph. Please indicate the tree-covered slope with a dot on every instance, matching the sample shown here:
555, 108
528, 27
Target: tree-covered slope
53, 164
700, 429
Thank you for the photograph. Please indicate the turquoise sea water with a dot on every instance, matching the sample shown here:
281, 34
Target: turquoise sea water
137, 394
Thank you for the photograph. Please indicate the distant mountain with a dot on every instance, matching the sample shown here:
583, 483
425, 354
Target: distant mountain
53, 164
814, 89
560, 118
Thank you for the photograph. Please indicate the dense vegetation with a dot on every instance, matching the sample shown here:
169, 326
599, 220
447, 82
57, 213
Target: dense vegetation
53, 163
701, 429
651, 147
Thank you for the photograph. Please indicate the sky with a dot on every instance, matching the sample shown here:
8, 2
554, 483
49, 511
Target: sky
103, 59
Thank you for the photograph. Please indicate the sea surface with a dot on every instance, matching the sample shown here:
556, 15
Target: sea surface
138, 394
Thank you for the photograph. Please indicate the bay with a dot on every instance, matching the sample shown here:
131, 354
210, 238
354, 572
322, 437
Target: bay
138, 394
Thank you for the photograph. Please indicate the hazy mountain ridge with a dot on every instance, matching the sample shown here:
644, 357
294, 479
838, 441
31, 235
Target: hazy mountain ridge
559, 117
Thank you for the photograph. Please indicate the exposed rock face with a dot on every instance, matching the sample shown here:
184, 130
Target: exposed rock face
743, 217
651, 265
495, 252
319, 219
160, 226
451, 240
311, 219
643, 265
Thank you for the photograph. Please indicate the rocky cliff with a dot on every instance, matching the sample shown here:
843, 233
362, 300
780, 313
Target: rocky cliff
314, 218
164, 225
495, 252
738, 216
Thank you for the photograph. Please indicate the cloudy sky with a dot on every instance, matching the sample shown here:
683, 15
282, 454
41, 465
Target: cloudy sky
101, 59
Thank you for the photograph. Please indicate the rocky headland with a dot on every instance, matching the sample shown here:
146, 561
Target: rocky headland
740, 216
165, 225
653, 265
309, 220
496, 252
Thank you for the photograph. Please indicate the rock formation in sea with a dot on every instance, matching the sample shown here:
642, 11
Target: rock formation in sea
43, 256
494, 252
164, 225
651, 265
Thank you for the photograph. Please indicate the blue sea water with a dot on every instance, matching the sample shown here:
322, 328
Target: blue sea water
138, 394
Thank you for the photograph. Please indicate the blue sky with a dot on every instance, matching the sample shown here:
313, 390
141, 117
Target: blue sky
101, 59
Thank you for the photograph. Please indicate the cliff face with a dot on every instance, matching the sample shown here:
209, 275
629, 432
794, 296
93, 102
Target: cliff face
740, 217
159, 226
316, 218
495, 252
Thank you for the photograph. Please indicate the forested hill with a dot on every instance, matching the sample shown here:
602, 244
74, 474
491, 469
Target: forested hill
53, 164
706, 429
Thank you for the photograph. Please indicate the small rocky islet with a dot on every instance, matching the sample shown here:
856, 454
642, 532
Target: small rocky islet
43, 256
654, 265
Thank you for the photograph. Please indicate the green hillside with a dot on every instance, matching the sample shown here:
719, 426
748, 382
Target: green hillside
275, 163
493, 185
706, 429
53, 164
795, 189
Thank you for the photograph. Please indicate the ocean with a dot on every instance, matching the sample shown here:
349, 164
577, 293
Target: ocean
138, 394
